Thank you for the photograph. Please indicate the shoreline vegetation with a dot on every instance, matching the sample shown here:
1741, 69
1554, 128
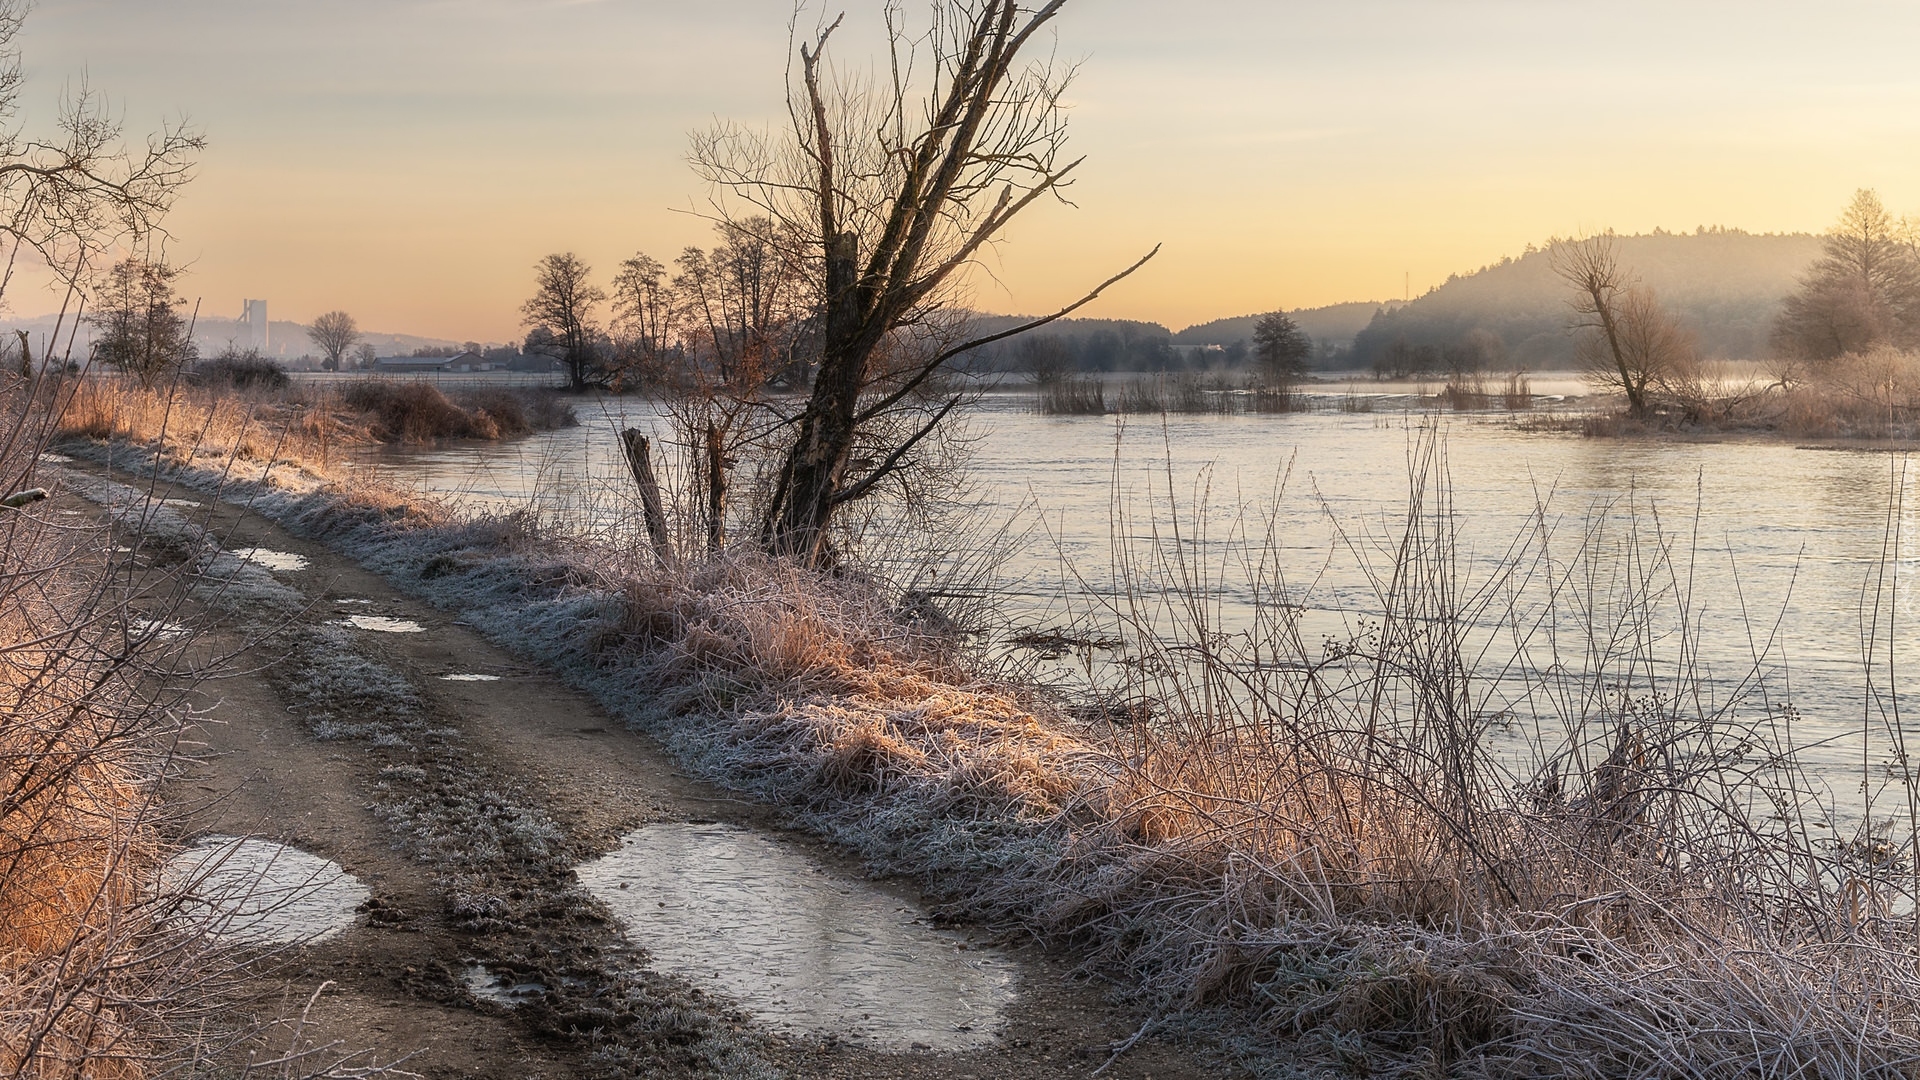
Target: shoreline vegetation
1870, 398
1311, 850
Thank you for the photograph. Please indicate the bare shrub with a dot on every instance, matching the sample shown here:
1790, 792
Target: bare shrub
239, 370
93, 982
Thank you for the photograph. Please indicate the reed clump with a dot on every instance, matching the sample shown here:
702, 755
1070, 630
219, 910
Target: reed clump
1072, 395
417, 413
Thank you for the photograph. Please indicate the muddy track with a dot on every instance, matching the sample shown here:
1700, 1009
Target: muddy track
464, 806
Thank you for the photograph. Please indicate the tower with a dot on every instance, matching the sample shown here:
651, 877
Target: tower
254, 314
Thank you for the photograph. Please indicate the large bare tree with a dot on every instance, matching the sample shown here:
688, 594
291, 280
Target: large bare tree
1630, 343
892, 186
334, 333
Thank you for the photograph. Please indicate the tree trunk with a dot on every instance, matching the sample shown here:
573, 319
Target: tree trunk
716, 488
798, 522
640, 460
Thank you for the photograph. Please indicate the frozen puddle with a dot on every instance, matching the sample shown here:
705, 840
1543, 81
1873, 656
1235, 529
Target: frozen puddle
464, 676
158, 629
384, 624
256, 892
51, 458
757, 919
484, 985
269, 559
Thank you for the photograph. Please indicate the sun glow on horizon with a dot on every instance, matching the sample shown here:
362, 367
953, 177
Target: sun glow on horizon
409, 162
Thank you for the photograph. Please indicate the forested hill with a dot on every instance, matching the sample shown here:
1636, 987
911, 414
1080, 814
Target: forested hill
1724, 285
1128, 345
1336, 324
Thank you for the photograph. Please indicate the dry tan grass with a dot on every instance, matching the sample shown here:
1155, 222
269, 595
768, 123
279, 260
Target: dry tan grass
1319, 837
77, 845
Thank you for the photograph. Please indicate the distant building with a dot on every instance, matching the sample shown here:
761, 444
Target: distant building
253, 316
464, 362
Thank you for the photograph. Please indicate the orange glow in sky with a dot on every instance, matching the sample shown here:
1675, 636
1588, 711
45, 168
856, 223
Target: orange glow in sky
409, 160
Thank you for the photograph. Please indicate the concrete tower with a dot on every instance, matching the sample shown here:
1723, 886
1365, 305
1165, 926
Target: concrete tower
254, 314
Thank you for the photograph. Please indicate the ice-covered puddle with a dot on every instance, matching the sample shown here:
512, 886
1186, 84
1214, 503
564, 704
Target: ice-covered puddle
384, 624
256, 892
757, 919
486, 986
468, 676
267, 558
158, 629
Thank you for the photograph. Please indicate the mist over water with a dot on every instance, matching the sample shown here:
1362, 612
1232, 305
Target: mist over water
1783, 558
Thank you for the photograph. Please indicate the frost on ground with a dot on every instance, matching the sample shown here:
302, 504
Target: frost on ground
1330, 888
504, 868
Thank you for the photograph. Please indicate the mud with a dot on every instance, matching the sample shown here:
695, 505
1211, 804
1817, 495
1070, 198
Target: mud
464, 807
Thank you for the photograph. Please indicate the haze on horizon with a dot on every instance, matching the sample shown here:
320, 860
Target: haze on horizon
409, 160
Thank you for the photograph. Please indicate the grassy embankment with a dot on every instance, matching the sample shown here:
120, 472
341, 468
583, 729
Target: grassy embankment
1327, 839
262, 417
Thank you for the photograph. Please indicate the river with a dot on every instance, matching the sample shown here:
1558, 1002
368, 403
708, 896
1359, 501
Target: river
1785, 557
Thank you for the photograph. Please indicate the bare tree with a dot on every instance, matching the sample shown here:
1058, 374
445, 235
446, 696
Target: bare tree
70, 200
563, 303
1864, 290
891, 188
334, 333
140, 326
1600, 285
642, 322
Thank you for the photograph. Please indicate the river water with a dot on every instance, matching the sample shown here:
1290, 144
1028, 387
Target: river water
1795, 564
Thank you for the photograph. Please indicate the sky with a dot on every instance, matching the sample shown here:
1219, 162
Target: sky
409, 160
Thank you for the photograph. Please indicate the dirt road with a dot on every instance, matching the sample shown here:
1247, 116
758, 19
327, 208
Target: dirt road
463, 806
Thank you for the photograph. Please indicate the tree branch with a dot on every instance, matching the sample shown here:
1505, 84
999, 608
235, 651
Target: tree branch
894, 398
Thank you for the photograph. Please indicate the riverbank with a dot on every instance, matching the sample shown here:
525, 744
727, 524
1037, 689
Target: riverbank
463, 805
1387, 897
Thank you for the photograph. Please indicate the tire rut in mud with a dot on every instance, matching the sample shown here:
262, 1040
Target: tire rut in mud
502, 867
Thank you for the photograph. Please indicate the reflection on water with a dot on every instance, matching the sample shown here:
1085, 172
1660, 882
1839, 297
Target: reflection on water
760, 921
256, 892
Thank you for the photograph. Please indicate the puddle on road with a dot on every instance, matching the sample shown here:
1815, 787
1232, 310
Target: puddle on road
158, 629
383, 624
469, 677
256, 892
180, 502
51, 458
759, 920
486, 986
272, 560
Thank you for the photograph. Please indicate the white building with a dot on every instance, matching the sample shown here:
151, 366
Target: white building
253, 315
